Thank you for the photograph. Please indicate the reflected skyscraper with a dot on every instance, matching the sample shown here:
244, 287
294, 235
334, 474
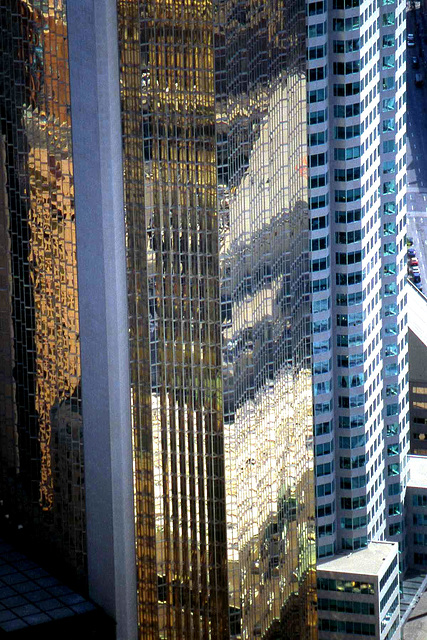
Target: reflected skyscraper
158, 423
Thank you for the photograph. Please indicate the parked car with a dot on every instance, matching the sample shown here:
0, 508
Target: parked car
413, 262
416, 278
409, 241
415, 271
419, 80
415, 62
411, 252
410, 40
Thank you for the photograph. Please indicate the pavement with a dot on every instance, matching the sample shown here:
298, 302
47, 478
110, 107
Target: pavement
415, 627
417, 139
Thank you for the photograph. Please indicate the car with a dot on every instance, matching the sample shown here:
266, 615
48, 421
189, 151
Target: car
413, 262
410, 40
419, 80
409, 241
415, 62
415, 271
416, 278
411, 252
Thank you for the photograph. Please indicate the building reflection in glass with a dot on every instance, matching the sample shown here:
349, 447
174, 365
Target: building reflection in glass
261, 104
43, 476
167, 85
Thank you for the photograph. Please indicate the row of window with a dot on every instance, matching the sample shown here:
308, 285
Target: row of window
346, 606
345, 586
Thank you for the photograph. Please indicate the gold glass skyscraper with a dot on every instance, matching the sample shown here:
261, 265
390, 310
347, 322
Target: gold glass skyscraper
211, 129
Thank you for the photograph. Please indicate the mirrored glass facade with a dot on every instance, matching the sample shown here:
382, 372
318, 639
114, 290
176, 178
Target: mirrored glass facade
265, 314
213, 138
41, 444
167, 84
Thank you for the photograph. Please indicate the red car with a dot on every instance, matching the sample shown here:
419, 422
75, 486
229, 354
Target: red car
413, 262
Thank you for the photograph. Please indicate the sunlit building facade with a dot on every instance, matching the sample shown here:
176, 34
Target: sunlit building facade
181, 360
357, 180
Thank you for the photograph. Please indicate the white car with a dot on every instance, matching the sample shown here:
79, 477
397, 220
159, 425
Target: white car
411, 40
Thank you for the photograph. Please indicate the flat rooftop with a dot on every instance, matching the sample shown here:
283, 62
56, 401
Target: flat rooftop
364, 562
418, 471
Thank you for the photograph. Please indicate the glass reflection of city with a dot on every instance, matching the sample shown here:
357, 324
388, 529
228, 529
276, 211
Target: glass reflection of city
41, 444
213, 138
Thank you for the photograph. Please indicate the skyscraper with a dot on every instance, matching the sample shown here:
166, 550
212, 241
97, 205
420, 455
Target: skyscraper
357, 160
157, 309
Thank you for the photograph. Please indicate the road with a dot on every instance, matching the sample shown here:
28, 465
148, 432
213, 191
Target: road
417, 141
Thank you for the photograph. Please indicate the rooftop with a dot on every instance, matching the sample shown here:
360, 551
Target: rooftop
364, 562
417, 471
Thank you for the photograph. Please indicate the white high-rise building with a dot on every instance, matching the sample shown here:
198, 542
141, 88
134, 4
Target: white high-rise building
357, 178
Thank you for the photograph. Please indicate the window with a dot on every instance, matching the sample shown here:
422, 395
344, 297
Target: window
354, 462
320, 388
321, 346
324, 448
318, 73
347, 24
350, 195
314, 53
389, 248
324, 469
343, 175
353, 503
345, 422
346, 46
395, 509
348, 237
352, 257
345, 279
322, 428
393, 469
388, 62
321, 367
319, 223
388, 125
392, 409
316, 30
389, 166
348, 89
316, 8
319, 137
353, 483
317, 202
320, 305
388, 40
350, 319
388, 105
389, 208
388, 19
389, 146
317, 117
345, 217
325, 489
355, 339
350, 299
395, 528
318, 159
388, 83
346, 133
319, 181
345, 4
347, 111
346, 68
317, 95
321, 325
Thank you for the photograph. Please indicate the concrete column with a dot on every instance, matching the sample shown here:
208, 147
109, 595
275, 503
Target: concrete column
98, 178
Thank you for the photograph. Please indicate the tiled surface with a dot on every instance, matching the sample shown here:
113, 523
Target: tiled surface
29, 595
